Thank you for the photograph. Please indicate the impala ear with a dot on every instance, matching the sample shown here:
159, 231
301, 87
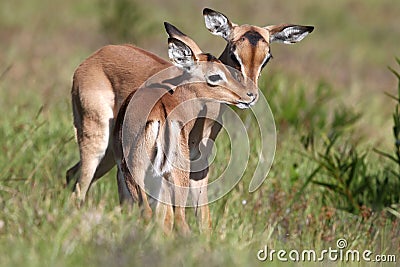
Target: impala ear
217, 23
288, 33
173, 32
180, 54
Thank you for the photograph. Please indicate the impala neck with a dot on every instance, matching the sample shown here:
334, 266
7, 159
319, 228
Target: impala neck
225, 58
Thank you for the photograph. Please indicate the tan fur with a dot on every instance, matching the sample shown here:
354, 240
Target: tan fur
173, 113
105, 79
100, 85
251, 56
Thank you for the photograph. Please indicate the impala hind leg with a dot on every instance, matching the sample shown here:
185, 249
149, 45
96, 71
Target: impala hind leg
135, 184
106, 164
126, 196
199, 192
93, 131
181, 191
92, 151
164, 210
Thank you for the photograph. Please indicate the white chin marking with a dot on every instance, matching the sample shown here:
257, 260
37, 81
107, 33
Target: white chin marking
242, 106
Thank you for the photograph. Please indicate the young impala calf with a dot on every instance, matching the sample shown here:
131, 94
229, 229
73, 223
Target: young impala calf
247, 50
105, 79
248, 46
157, 125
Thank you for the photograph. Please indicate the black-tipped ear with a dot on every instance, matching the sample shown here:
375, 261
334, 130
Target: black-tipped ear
217, 23
172, 30
288, 34
180, 54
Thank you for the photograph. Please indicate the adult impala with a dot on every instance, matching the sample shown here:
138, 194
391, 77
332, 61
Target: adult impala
105, 79
151, 137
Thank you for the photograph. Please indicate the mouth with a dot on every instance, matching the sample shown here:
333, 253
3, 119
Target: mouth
244, 105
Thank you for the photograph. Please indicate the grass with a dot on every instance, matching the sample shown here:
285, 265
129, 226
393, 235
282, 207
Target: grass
299, 206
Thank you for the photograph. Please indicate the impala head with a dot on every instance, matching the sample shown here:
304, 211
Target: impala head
248, 48
222, 85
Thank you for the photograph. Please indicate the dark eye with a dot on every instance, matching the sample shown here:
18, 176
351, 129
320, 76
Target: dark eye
215, 78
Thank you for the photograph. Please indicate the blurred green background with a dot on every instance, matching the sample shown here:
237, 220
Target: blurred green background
353, 42
326, 93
